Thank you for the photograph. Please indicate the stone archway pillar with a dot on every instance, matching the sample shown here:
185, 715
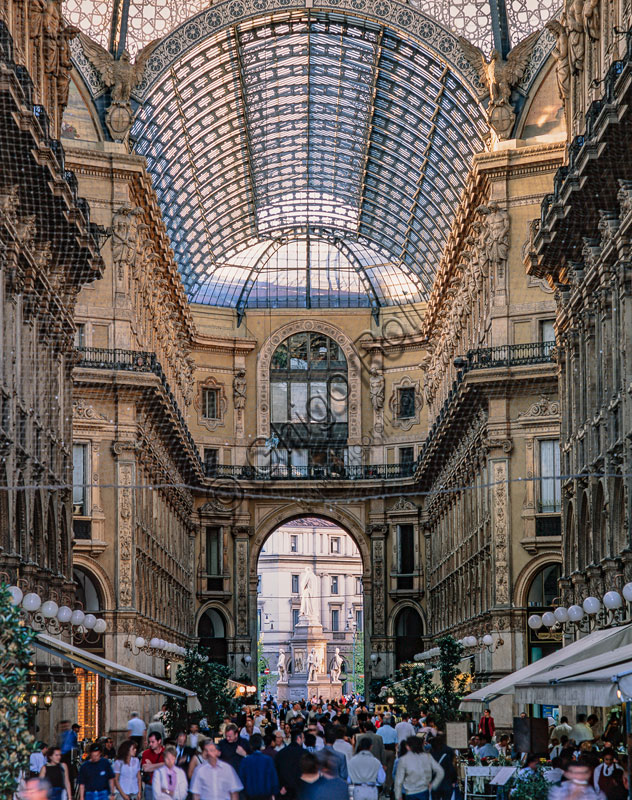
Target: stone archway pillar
378, 640
245, 641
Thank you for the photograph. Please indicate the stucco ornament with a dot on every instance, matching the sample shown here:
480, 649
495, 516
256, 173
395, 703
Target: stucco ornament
125, 237
496, 242
499, 76
376, 387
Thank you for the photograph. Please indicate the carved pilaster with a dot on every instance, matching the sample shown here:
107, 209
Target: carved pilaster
378, 554
501, 525
241, 534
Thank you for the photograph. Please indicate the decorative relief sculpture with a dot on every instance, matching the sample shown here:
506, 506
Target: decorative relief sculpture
313, 665
574, 13
239, 390
499, 76
496, 242
376, 387
122, 76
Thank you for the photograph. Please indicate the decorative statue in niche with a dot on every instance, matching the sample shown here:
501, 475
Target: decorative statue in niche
124, 237
561, 56
376, 388
496, 242
499, 76
239, 390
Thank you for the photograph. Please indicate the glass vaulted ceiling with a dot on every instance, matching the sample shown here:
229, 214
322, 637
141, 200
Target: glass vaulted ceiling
308, 160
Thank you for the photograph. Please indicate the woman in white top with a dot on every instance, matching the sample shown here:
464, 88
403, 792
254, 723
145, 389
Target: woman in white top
170, 782
127, 777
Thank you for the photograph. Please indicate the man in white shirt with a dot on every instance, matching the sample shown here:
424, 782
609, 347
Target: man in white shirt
581, 732
214, 779
563, 729
38, 759
136, 729
404, 729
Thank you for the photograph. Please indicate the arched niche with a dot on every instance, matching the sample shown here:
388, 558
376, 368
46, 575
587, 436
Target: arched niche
408, 629
212, 627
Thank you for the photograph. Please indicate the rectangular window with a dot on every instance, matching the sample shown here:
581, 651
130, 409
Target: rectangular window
299, 462
298, 401
334, 584
210, 404
79, 479
547, 330
294, 584
318, 403
550, 482
294, 617
214, 551
80, 335
279, 401
405, 556
338, 393
335, 620
335, 544
293, 543
406, 404
358, 585
211, 459
258, 584
359, 620
259, 619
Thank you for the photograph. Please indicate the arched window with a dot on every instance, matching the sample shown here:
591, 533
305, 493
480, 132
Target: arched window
583, 533
87, 592
600, 547
308, 406
212, 635
408, 635
542, 592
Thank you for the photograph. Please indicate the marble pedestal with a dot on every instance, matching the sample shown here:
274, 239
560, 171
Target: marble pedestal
308, 636
282, 691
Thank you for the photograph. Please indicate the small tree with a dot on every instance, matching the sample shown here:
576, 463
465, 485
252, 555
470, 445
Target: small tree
15, 655
417, 689
209, 681
263, 665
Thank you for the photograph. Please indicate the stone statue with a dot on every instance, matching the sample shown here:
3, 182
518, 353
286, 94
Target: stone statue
496, 243
124, 237
47, 23
282, 669
309, 586
560, 54
499, 76
122, 76
312, 665
239, 390
590, 14
336, 667
376, 387
574, 14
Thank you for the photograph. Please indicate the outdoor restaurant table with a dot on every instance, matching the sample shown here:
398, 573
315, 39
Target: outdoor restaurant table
476, 780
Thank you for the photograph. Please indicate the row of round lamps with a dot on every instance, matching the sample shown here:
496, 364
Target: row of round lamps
575, 613
49, 609
472, 641
160, 644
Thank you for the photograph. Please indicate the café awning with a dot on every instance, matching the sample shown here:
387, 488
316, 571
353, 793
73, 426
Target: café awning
112, 671
602, 680
596, 643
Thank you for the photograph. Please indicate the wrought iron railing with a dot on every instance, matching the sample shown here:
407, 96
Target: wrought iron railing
509, 355
280, 472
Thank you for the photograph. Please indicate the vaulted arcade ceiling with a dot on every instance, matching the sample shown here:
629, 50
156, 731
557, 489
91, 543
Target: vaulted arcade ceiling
305, 158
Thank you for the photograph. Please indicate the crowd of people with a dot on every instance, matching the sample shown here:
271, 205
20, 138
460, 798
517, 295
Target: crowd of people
320, 751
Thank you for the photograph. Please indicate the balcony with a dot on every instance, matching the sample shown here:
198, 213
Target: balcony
279, 472
213, 585
508, 355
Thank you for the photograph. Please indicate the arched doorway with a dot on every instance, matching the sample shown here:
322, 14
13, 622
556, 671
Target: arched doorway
91, 699
212, 634
408, 635
310, 604
543, 590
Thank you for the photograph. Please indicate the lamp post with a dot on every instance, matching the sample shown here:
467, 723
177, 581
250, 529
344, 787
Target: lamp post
351, 625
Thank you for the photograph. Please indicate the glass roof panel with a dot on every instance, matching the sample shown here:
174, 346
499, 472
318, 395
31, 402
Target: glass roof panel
308, 127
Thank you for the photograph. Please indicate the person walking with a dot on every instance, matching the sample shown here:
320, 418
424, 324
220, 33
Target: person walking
577, 785
446, 758
96, 777
288, 764
151, 760
404, 729
366, 773
232, 747
38, 759
184, 754
334, 757
417, 773
170, 782
257, 773
127, 776
56, 773
214, 779
136, 729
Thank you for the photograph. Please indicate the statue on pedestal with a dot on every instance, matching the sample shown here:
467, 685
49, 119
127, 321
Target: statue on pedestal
281, 667
309, 588
336, 667
312, 665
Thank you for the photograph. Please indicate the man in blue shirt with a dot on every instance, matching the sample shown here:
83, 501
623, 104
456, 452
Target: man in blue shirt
389, 735
258, 773
96, 778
